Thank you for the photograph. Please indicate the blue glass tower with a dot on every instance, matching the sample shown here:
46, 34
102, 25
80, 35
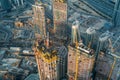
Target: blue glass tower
116, 15
6, 5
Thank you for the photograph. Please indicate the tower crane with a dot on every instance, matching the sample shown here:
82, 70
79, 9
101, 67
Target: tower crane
77, 61
75, 38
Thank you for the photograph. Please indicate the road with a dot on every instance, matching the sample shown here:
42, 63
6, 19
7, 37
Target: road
101, 6
6, 32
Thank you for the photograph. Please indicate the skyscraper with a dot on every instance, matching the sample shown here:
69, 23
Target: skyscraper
6, 5
46, 64
39, 19
80, 62
49, 10
80, 58
116, 14
60, 17
62, 63
18, 2
52, 62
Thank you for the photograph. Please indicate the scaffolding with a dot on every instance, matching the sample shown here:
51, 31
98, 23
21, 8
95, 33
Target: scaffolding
51, 60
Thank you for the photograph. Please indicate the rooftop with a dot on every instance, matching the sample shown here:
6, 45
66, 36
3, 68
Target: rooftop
32, 77
84, 49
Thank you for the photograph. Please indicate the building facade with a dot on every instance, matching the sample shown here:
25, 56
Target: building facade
39, 19
52, 62
60, 17
107, 67
80, 63
6, 5
116, 14
62, 63
17, 2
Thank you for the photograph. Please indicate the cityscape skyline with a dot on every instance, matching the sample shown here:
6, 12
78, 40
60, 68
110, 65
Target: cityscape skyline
59, 40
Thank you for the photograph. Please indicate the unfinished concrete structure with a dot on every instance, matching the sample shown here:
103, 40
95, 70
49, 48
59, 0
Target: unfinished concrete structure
60, 17
80, 58
39, 19
80, 62
52, 62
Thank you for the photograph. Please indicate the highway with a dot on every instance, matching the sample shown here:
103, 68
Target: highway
76, 8
101, 6
16, 44
16, 12
5, 34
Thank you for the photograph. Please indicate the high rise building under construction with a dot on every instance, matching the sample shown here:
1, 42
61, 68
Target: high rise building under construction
52, 62
60, 17
80, 58
80, 63
39, 19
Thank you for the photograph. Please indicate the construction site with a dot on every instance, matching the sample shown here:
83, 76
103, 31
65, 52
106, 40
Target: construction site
60, 40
